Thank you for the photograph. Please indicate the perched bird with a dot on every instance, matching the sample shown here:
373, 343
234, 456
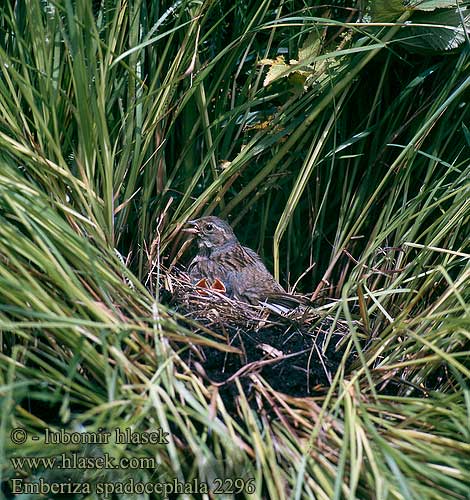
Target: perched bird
222, 259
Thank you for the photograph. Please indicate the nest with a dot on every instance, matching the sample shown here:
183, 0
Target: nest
295, 351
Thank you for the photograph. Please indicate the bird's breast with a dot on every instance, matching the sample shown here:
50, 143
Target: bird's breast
219, 266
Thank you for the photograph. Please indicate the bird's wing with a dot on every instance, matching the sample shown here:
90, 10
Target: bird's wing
268, 289
251, 280
252, 257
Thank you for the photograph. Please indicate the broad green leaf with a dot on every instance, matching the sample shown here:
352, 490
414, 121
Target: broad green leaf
384, 11
430, 5
278, 68
447, 35
311, 47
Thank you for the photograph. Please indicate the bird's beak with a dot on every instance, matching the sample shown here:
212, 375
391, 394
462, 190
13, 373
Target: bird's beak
192, 227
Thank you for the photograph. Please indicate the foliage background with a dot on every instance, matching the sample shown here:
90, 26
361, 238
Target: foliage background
334, 138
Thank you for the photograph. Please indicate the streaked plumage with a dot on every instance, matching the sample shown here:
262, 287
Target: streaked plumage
222, 257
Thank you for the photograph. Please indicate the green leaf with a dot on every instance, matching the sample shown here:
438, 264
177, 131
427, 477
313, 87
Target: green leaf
384, 11
466, 133
430, 5
447, 35
310, 48
278, 68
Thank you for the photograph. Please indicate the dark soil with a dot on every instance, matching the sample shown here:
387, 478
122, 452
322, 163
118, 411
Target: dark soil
296, 366
295, 359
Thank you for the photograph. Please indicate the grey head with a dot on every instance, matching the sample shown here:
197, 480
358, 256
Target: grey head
212, 232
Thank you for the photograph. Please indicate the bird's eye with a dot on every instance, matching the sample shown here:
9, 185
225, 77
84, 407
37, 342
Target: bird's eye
209, 227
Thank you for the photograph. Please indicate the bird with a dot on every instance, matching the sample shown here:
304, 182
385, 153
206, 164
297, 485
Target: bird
222, 259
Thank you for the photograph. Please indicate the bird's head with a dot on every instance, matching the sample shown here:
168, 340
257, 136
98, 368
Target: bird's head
211, 231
